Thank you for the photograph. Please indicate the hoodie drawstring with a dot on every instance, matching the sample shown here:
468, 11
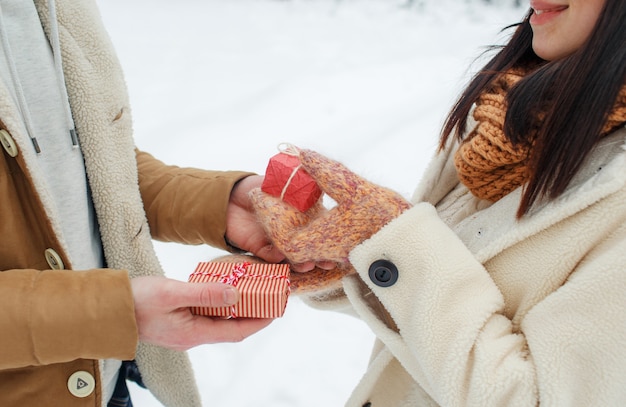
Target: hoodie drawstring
58, 68
21, 99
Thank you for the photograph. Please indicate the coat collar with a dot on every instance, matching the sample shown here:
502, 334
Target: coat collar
488, 232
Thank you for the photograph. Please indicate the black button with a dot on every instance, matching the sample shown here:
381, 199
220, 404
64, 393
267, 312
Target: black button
383, 273
368, 404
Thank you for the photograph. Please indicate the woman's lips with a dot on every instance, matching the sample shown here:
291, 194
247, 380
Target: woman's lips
544, 12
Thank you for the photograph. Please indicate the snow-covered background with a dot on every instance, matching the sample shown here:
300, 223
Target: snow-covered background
220, 83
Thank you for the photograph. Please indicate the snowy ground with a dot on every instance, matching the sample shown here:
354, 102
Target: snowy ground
220, 83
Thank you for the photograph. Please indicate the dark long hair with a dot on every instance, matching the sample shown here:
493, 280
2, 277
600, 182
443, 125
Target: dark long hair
576, 94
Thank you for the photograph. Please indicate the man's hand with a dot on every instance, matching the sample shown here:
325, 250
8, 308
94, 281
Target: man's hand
243, 230
164, 318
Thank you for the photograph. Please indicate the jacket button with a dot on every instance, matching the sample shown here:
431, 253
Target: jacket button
383, 273
54, 260
81, 384
8, 143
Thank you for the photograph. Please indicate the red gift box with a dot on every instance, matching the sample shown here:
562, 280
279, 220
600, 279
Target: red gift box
284, 178
264, 288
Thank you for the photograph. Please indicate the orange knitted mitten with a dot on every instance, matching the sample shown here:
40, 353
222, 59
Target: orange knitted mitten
320, 235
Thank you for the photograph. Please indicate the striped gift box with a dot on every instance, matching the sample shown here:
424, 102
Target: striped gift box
264, 288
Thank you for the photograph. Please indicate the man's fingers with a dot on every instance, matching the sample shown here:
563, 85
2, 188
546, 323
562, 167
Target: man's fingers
311, 265
303, 267
212, 330
180, 294
200, 330
270, 254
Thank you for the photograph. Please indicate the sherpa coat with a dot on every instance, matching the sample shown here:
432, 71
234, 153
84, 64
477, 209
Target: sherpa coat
54, 323
496, 311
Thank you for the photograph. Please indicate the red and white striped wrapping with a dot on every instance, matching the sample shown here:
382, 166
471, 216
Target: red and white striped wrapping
264, 288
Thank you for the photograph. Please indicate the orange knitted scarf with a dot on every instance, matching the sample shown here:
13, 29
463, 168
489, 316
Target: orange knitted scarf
487, 162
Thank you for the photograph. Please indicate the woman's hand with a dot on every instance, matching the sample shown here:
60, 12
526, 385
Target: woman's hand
319, 236
164, 318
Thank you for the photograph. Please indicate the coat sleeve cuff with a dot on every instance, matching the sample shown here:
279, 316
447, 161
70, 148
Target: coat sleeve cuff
434, 270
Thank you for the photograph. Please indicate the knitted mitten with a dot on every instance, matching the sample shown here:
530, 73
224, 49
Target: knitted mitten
319, 235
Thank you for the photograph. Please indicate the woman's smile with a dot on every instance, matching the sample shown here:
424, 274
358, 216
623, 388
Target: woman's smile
560, 27
545, 12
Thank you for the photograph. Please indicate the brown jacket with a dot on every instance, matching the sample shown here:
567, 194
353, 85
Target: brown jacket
55, 321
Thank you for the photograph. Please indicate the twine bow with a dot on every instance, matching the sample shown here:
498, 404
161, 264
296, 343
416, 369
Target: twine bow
238, 271
235, 275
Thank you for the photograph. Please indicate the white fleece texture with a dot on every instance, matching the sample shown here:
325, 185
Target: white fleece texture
498, 312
